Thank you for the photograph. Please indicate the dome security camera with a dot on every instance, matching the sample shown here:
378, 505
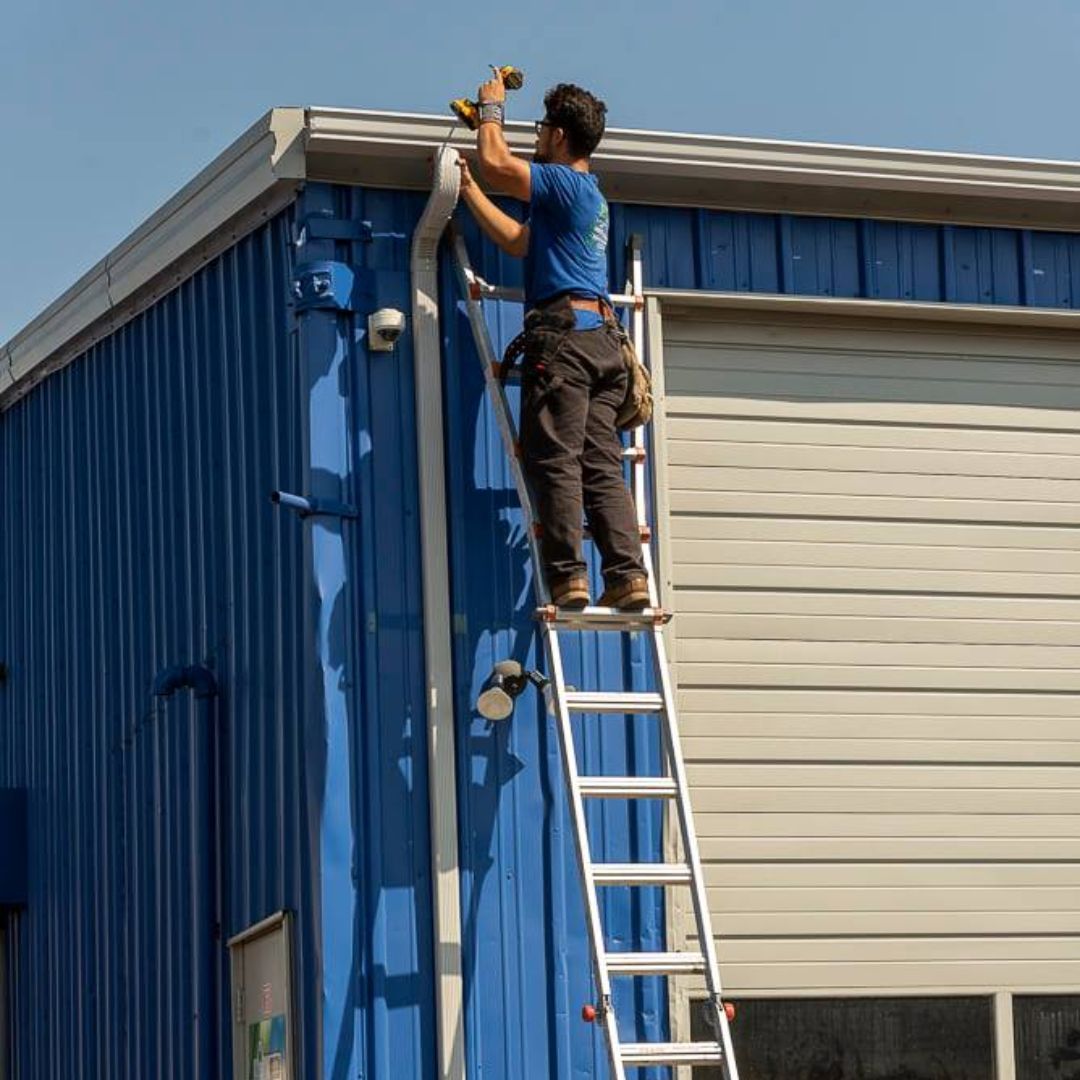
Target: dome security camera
385, 326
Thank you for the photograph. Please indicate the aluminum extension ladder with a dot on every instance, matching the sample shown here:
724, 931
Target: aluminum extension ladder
565, 701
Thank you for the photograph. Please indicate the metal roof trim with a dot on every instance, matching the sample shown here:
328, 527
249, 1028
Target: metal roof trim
268, 155
998, 315
340, 131
288, 145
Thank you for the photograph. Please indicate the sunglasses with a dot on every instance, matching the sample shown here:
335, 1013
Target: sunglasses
541, 124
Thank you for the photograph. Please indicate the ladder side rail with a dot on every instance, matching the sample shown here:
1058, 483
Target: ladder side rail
637, 322
557, 689
639, 467
474, 289
583, 851
691, 852
503, 416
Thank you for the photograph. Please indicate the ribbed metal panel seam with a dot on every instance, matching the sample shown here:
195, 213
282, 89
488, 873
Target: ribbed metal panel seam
137, 534
742, 251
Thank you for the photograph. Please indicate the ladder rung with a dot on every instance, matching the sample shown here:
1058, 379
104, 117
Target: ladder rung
628, 787
606, 702
602, 618
655, 963
700, 1053
484, 290
641, 874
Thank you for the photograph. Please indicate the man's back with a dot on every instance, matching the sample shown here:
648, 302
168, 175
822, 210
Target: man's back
568, 224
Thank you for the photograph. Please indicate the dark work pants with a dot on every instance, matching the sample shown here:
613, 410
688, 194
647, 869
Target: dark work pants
573, 383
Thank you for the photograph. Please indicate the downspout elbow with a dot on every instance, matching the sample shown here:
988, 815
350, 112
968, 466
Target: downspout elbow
195, 677
429, 230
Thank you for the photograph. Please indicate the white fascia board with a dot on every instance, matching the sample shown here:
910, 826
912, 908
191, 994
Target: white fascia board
709, 170
824, 164
660, 152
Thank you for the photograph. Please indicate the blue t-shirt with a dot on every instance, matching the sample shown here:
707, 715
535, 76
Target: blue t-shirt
568, 235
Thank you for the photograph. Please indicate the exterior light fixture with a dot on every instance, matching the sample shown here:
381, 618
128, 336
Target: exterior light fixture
505, 683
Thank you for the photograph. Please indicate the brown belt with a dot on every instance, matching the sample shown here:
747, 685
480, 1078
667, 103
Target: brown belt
581, 304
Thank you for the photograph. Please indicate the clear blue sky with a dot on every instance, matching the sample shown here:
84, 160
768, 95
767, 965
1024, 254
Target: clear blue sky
108, 107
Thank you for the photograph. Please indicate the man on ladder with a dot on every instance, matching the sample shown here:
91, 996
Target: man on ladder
574, 379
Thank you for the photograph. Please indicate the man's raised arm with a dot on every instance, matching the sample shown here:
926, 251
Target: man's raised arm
498, 166
512, 236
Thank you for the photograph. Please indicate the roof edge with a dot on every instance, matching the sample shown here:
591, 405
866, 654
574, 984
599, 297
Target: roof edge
342, 131
266, 159
391, 149
288, 145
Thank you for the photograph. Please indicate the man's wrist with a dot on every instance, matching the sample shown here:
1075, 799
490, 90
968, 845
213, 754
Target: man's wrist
492, 112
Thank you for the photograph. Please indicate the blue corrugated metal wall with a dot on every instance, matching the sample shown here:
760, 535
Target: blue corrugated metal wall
526, 960
527, 965
818, 256
136, 534
367, 744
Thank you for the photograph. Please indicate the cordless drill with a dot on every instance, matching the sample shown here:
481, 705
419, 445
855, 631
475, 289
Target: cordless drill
468, 112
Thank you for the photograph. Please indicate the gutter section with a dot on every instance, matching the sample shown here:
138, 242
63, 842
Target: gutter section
722, 172
442, 768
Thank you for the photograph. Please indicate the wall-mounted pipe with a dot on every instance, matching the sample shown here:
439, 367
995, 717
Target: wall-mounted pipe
424, 267
306, 508
195, 677
200, 679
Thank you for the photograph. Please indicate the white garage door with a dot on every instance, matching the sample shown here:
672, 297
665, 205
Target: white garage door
873, 546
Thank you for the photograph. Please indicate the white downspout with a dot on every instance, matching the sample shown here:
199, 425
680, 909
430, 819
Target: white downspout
442, 773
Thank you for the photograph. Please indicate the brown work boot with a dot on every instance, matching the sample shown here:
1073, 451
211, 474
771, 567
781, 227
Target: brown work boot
631, 594
571, 592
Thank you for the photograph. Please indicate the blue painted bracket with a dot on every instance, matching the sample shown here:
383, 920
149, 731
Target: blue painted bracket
321, 226
312, 507
13, 847
326, 285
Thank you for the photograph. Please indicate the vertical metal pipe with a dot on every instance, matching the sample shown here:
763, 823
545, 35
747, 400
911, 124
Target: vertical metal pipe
442, 768
220, 1042
4, 1064
1004, 1038
329, 646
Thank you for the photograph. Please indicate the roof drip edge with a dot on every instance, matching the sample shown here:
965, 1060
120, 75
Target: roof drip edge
287, 146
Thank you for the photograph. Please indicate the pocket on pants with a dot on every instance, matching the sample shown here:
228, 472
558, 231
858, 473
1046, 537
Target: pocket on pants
538, 384
542, 345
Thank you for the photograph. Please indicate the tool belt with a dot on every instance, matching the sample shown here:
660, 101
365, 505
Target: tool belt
546, 328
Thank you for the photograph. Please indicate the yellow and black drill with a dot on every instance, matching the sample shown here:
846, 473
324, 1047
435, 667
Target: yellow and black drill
468, 112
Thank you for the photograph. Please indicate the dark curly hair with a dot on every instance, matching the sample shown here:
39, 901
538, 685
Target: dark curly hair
579, 114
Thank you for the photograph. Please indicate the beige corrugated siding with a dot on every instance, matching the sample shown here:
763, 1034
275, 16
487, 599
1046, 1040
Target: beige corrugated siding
875, 559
